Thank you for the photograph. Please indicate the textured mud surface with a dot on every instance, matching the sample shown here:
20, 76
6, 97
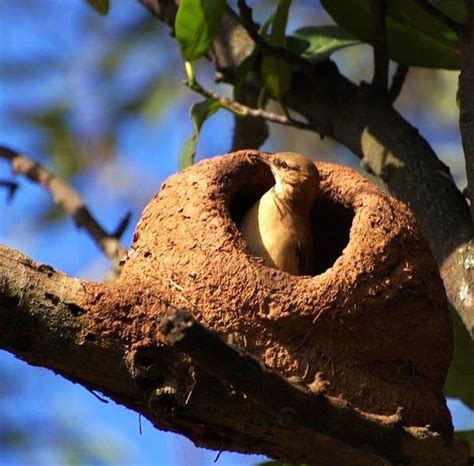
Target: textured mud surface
373, 317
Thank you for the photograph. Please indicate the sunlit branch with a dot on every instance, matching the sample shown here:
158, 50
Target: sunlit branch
70, 201
242, 110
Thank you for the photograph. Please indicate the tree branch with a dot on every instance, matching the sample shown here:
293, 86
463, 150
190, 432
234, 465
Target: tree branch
11, 188
249, 133
69, 326
242, 110
70, 201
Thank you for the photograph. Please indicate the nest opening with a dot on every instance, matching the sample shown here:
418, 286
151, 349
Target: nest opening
331, 220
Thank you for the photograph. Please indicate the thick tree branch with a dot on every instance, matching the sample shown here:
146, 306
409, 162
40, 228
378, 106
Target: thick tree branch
70, 201
47, 319
249, 133
388, 145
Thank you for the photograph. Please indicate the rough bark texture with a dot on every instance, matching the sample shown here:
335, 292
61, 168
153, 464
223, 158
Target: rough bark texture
374, 323
387, 144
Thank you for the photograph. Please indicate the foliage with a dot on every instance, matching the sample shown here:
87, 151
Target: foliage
460, 381
197, 22
317, 43
199, 114
468, 437
276, 73
414, 37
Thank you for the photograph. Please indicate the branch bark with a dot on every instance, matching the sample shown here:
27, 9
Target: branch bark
386, 143
71, 202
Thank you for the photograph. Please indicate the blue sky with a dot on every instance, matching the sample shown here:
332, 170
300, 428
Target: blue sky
68, 39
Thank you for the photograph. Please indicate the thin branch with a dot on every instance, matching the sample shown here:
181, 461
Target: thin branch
397, 82
11, 188
243, 110
440, 16
379, 42
69, 200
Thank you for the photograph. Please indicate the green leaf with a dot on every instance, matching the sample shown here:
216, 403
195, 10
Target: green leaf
277, 35
415, 38
468, 437
455, 9
276, 73
196, 24
319, 42
460, 378
101, 6
200, 112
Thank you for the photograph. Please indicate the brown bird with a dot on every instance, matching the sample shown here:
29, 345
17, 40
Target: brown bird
277, 227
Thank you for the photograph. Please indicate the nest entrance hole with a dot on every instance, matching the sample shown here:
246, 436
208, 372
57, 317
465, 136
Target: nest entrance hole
331, 220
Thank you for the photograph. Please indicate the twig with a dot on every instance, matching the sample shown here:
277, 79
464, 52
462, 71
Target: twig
289, 403
440, 16
100, 398
11, 188
397, 82
69, 200
379, 42
243, 110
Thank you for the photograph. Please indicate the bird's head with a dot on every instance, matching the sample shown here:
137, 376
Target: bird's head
294, 172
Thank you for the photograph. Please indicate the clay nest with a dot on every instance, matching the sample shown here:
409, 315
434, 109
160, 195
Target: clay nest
372, 318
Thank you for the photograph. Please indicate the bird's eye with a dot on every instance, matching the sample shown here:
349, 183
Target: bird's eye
283, 164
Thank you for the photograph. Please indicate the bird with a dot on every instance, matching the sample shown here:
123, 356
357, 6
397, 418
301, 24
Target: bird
277, 227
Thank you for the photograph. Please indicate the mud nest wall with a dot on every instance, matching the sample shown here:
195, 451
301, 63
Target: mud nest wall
373, 317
